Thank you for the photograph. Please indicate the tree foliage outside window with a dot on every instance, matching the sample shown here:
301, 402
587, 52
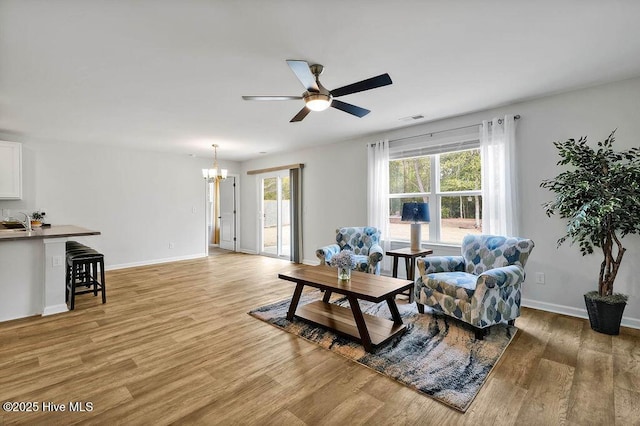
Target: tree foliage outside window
460, 171
271, 188
410, 175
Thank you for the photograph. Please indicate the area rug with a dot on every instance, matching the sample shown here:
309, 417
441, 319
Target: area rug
436, 356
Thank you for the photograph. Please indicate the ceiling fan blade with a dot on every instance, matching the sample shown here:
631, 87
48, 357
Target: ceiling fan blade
351, 109
302, 71
368, 84
271, 98
301, 115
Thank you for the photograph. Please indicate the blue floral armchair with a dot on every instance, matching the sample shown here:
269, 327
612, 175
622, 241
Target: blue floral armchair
363, 241
481, 287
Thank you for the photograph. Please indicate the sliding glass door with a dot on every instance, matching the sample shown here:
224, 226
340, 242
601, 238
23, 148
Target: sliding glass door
276, 215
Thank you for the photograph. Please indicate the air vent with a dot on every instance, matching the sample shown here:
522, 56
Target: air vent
412, 117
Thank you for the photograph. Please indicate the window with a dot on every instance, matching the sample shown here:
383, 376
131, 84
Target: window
448, 177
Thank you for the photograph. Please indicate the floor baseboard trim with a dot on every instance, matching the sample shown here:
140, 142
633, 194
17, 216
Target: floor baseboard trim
54, 309
573, 312
154, 262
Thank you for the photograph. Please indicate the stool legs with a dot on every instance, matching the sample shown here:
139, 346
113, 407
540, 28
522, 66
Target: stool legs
99, 265
94, 273
87, 272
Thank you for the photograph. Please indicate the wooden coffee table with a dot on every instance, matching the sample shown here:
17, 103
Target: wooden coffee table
368, 329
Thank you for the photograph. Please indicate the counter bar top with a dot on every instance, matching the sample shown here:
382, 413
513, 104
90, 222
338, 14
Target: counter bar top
55, 231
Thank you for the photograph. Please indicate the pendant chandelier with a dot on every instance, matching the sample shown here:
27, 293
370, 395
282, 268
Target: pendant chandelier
215, 174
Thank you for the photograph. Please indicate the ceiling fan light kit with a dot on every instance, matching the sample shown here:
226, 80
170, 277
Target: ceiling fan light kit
317, 101
317, 97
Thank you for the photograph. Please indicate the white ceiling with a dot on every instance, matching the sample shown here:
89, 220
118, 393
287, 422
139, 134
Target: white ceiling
169, 75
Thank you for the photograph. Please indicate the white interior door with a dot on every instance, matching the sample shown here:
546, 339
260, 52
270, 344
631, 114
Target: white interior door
209, 214
228, 214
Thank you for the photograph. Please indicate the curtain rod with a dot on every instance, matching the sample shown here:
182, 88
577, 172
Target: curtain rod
275, 169
500, 120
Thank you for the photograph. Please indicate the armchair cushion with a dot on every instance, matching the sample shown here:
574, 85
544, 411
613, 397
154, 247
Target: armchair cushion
432, 264
484, 252
362, 263
363, 241
358, 239
459, 285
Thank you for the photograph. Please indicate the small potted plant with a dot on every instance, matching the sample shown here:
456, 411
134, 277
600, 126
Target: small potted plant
600, 198
37, 218
345, 262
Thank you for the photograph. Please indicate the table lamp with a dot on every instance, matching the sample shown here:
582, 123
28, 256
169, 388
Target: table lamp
417, 213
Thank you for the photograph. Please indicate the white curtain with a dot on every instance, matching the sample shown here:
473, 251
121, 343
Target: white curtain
500, 207
378, 193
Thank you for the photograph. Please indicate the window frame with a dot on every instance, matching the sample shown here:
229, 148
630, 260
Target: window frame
435, 194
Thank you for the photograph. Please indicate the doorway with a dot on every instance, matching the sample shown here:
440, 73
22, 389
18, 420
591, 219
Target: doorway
221, 214
228, 214
276, 215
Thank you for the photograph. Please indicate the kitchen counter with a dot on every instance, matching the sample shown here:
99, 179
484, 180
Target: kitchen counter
33, 269
55, 231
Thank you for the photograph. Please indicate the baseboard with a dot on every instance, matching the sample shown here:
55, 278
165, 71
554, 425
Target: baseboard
310, 262
573, 312
154, 262
55, 309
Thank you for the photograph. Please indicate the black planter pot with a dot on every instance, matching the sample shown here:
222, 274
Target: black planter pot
604, 317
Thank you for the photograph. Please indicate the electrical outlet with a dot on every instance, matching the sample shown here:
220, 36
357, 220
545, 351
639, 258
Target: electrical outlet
57, 261
172, 245
539, 277
193, 210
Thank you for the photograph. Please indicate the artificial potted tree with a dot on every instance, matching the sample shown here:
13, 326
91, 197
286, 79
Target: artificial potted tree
600, 198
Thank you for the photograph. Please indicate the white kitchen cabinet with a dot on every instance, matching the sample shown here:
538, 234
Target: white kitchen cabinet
10, 170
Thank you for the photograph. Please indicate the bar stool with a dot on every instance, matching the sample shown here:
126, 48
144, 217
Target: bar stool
85, 267
75, 248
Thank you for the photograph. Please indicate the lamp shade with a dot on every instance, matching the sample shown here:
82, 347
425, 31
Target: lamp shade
415, 212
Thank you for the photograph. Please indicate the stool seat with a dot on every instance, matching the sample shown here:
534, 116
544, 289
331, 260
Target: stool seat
85, 267
79, 255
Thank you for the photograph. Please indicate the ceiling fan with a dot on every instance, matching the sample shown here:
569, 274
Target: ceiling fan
317, 97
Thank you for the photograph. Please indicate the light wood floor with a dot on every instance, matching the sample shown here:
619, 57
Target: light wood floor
174, 343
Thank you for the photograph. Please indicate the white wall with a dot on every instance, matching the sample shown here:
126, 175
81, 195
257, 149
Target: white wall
139, 201
335, 182
333, 193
